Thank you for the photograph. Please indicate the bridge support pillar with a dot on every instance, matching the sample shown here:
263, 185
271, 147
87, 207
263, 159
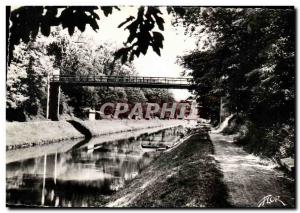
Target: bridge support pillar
53, 102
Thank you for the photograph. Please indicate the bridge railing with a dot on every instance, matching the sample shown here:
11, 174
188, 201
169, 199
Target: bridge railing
119, 79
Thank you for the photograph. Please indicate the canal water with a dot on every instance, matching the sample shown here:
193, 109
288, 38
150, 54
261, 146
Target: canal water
85, 175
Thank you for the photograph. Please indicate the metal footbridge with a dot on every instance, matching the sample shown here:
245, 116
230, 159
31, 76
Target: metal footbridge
122, 81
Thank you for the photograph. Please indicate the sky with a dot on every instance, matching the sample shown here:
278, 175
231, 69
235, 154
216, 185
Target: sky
152, 65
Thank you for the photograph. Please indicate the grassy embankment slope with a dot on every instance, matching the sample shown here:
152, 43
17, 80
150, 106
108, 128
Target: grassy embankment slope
116, 126
184, 176
26, 134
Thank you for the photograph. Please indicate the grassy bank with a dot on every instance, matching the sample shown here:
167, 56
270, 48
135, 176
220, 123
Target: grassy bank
116, 126
184, 176
27, 134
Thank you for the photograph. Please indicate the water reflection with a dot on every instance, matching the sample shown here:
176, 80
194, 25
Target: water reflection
84, 175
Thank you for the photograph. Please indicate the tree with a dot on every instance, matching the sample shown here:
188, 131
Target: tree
240, 55
159, 96
135, 95
26, 82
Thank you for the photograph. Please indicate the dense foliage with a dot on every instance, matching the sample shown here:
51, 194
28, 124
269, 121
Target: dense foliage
248, 59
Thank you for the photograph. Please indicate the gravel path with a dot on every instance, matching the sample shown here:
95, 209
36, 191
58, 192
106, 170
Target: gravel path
249, 179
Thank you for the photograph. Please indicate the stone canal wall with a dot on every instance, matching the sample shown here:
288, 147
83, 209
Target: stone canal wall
27, 134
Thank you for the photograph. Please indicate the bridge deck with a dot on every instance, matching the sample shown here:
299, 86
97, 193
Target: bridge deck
122, 81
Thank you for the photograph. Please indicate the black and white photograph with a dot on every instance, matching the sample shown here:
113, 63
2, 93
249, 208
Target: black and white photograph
150, 106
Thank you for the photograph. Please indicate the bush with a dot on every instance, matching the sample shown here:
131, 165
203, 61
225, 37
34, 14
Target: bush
273, 142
